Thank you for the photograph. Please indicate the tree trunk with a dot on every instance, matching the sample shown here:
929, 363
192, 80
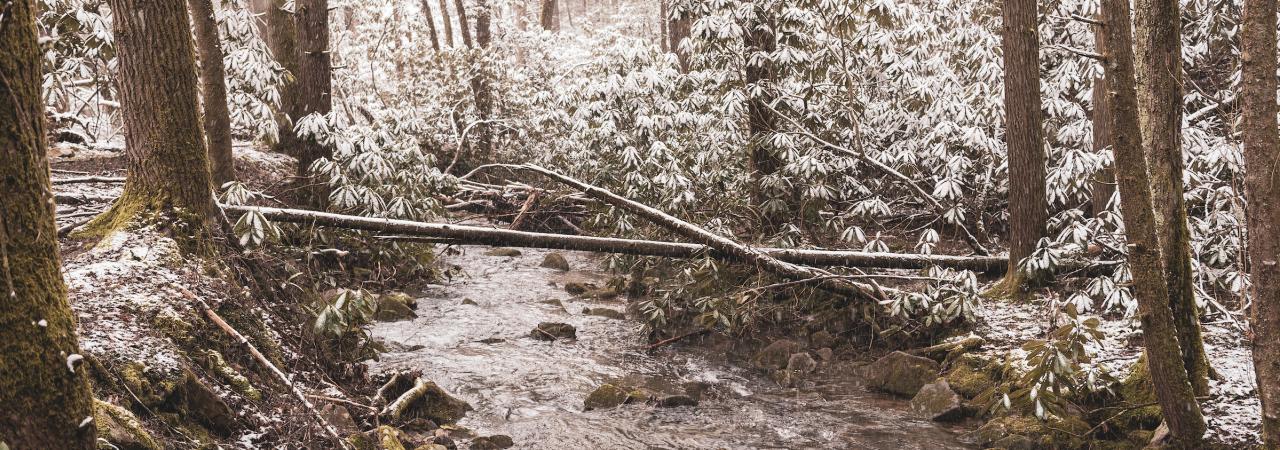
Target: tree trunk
549, 12
762, 161
1104, 182
165, 154
431, 25
282, 39
1157, 39
663, 34
213, 86
1024, 133
678, 29
480, 83
1169, 376
463, 24
315, 85
45, 404
1262, 181
448, 23
470, 235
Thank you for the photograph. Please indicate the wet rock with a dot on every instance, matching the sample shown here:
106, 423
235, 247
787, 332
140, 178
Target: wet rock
397, 384
420, 425
431, 447
550, 331
443, 440
776, 355
606, 293
605, 312
673, 401
426, 400
604, 397
936, 401
555, 261
470, 302
552, 302
900, 373
394, 309
121, 428
822, 338
579, 287
492, 340
397, 347
340, 418
801, 363
825, 354
503, 251
495, 442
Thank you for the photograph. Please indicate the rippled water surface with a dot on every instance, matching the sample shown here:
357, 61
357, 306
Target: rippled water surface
533, 390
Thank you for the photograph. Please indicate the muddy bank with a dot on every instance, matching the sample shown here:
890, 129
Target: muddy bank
472, 337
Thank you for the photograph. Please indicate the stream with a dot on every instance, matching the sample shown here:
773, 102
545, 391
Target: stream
533, 390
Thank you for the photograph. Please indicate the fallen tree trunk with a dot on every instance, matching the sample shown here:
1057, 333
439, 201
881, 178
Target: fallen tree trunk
473, 235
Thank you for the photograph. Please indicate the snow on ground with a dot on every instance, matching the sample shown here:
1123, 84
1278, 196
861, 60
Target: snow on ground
1232, 411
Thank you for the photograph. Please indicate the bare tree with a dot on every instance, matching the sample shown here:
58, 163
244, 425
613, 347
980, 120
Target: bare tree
1024, 135
431, 24
213, 87
1158, 31
448, 24
1168, 375
315, 87
463, 24
45, 405
282, 39
1262, 181
550, 11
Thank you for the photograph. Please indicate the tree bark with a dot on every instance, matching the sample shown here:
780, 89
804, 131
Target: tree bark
548, 17
1157, 39
1168, 374
165, 155
663, 35
463, 23
480, 85
762, 160
679, 29
431, 25
282, 39
1262, 182
45, 404
470, 235
1104, 182
448, 23
213, 86
315, 85
1024, 133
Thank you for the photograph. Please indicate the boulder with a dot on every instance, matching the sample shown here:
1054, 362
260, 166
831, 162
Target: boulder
605, 312
822, 338
495, 442
202, 403
825, 354
426, 400
1024, 432
936, 401
121, 428
673, 401
503, 251
801, 363
579, 288
469, 302
338, 416
393, 309
604, 397
971, 375
555, 261
552, 302
776, 355
550, 331
901, 374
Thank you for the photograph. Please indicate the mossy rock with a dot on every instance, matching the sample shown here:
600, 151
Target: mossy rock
555, 261
393, 309
605, 312
776, 355
495, 442
381, 438
900, 373
239, 383
606, 396
197, 401
550, 331
579, 288
822, 339
971, 375
1057, 433
428, 400
503, 251
150, 386
121, 428
1136, 389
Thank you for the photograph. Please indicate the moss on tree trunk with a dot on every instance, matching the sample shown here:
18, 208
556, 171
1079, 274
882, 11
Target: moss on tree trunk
44, 386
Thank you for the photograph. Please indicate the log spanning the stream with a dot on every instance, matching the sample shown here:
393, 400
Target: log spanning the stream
473, 235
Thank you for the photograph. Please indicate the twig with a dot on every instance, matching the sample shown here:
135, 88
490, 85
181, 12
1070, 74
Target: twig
91, 179
1079, 52
217, 320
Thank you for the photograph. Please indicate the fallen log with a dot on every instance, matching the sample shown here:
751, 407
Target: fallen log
474, 235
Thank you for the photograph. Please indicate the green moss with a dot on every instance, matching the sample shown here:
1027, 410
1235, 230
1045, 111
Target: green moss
971, 375
1136, 389
119, 427
233, 377
387, 438
177, 329
1057, 433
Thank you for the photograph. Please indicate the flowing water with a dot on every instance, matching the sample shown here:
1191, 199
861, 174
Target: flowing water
533, 390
